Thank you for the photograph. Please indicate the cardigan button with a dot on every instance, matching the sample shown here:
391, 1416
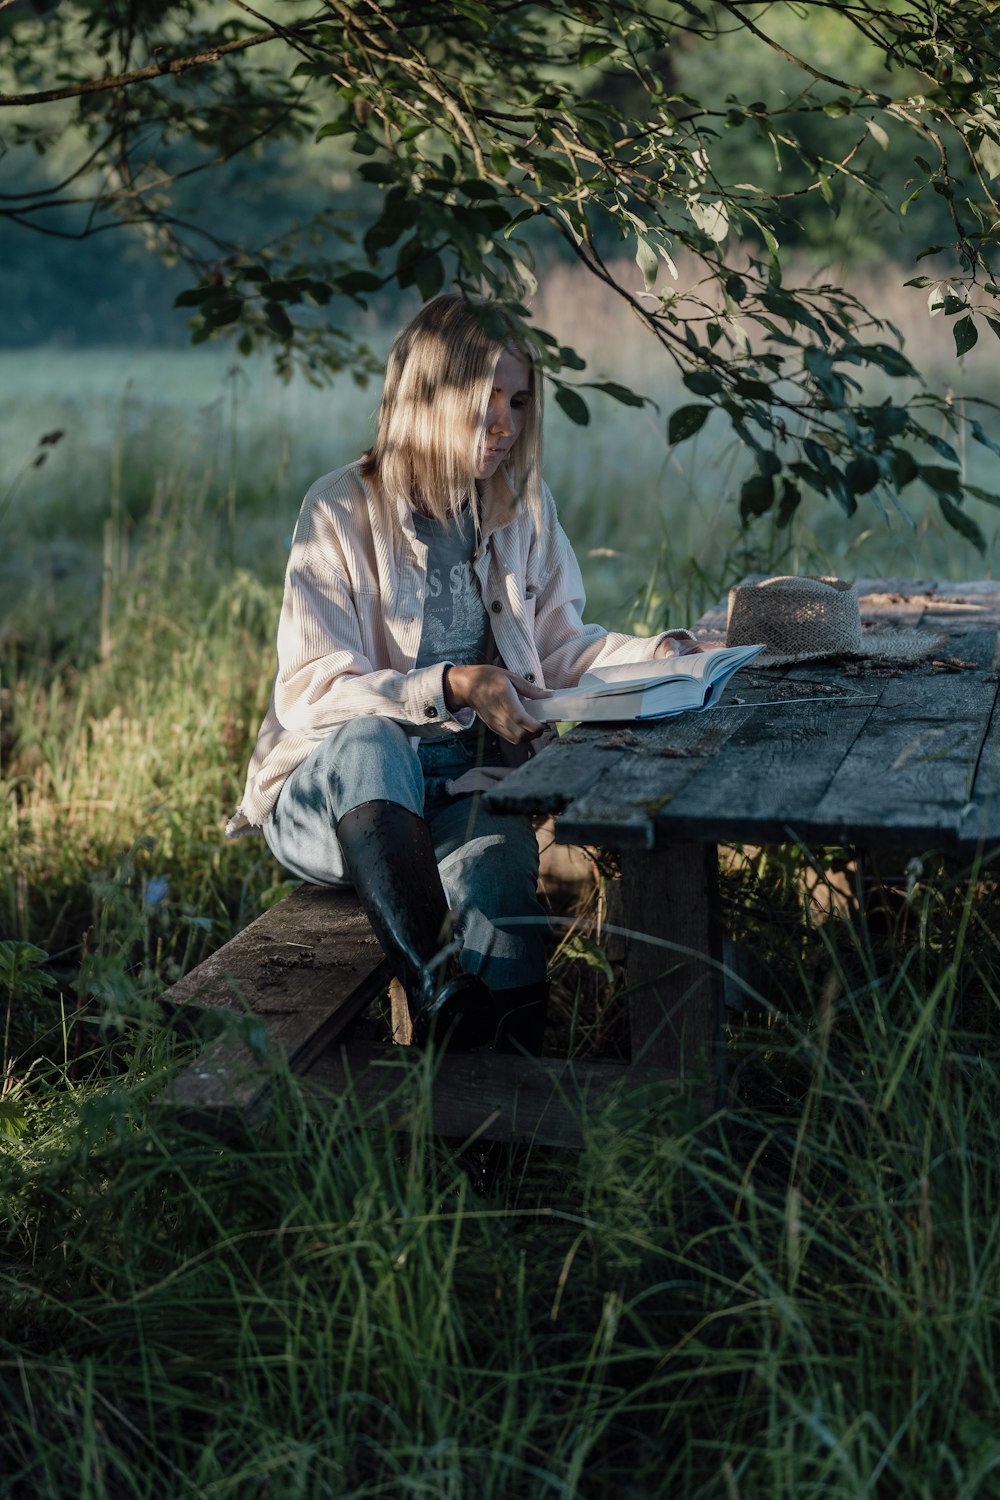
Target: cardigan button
496, 606
430, 712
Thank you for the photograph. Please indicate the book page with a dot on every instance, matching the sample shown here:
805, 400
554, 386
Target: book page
699, 664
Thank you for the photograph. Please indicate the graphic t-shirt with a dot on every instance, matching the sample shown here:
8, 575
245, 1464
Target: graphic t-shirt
455, 625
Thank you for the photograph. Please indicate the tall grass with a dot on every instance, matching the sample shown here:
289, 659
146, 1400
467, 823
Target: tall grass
795, 1298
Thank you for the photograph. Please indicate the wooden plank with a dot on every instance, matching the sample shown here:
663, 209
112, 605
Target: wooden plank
294, 978
566, 771
496, 1097
601, 810
911, 772
769, 775
675, 984
550, 780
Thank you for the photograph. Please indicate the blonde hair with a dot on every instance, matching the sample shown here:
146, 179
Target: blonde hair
438, 383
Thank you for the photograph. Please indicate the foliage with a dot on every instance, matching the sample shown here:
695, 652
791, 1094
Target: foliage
486, 133
794, 1298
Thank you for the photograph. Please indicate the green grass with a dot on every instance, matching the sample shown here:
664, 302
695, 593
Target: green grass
796, 1298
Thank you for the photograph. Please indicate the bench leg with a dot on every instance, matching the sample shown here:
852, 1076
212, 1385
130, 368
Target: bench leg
675, 994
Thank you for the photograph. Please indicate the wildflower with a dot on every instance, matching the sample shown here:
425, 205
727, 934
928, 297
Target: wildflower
156, 890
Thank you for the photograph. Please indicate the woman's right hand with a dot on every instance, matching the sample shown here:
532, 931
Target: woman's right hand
495, 695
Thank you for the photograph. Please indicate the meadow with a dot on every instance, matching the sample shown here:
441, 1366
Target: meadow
798, 1297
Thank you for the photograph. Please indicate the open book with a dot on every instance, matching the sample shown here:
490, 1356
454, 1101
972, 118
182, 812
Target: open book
645, 689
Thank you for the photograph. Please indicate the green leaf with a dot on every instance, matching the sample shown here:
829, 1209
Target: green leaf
196, 295
752, 389
904, 467
521, 218
592, 53
225, 310
756, 496
621, 393
877, 134
398, 214
553, 172
711, 218
966, 335
888, 359
791, 496
686, 421
570, 359
861, 475
940, 446
962, 523
279, 320
736, 287
702, 382
13, 1120
984, 437
886, 420
428, 273
648, 262
477, 187
353, 282
343, 126
377, 171
573, 405
580, 949
980, 494
941, 481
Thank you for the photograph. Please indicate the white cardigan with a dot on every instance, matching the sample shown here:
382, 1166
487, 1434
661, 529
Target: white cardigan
352, 614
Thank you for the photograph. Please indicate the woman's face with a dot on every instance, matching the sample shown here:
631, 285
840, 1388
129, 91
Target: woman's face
505, 413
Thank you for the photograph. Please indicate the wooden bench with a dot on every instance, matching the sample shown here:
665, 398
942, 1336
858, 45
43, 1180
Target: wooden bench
291, 986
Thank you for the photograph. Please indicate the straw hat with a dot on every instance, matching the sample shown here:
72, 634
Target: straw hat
801, 618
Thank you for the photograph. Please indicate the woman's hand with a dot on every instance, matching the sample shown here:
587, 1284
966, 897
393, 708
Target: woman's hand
677, 643
495, 695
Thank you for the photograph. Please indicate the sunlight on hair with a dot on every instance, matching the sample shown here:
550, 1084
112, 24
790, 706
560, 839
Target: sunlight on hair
438, 382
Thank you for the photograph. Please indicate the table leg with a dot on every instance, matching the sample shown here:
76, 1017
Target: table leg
676, 993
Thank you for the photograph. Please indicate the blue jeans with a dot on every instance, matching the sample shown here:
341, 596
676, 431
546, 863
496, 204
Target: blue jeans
488, 861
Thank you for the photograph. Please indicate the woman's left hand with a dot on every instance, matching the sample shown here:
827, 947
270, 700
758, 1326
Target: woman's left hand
677, 643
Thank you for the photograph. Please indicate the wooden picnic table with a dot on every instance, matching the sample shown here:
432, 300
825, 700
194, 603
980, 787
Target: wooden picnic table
826, 752
865, 752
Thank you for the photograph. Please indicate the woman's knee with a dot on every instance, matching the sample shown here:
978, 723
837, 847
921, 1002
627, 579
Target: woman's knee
372, 734
371, 759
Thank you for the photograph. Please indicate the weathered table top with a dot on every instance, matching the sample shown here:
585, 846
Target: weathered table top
833, 751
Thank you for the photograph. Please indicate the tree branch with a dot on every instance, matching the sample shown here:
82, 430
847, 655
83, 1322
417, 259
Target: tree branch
156, 70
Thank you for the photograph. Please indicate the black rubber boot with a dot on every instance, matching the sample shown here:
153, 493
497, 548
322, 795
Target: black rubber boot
390, 857
520, 1019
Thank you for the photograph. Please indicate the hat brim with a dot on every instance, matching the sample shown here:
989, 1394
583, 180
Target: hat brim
882, 643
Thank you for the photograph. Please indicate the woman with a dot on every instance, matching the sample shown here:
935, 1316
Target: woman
430, 589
